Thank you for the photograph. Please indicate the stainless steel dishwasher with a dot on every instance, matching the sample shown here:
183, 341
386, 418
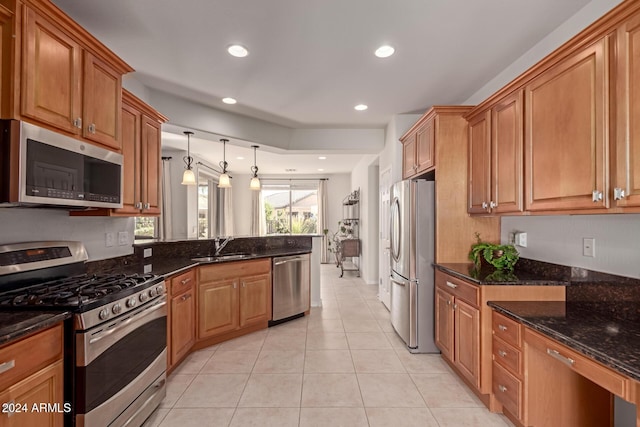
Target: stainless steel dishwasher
291, 279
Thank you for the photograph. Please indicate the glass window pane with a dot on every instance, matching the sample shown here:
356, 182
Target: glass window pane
145, 227
276, 210
304, 211
203, 209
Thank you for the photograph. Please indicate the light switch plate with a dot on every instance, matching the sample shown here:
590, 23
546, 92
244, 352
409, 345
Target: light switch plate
123, 238
147, 253
521, 239
109, 239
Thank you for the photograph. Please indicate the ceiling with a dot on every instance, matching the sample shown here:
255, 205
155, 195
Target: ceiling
311, 62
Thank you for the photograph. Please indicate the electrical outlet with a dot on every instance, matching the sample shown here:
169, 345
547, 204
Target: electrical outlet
147, 253
520, 239
589, 247
109, 239
123, 238
147, 268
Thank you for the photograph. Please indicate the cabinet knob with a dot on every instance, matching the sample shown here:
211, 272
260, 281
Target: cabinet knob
137, 205
484, 205
235, 285
493, 204
185, 281
448, 302
502, 353
455, 306
502, 388
92, 128
596, 196
146, 206
619, 194
78, 123
186, 297
502, 328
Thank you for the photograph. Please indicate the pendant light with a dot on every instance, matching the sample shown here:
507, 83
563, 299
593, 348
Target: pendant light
224, 181
255, 181
188, 177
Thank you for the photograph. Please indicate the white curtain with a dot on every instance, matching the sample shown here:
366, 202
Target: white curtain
322, 217
258, 216
225, 212
165, 229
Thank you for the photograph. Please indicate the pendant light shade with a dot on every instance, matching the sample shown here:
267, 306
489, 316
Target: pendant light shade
224, 181
188, 177
255, 181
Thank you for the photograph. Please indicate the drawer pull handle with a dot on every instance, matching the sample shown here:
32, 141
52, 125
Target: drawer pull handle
502, 353
451, 285
185, 281
502, 328
186, 297
7, 366
502, 388
556, 355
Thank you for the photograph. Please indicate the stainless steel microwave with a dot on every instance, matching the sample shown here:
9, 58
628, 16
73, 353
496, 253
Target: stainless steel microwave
42, 167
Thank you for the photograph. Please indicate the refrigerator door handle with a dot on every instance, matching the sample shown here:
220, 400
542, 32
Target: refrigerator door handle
396, 229
397, 283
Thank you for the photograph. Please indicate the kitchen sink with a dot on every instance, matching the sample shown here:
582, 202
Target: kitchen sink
227, 257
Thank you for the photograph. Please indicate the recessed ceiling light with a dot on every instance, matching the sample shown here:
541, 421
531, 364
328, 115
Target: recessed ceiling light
229, 100
238, 51
384, 51
240, 158
290, 170
322, 157
320, 170
360, 107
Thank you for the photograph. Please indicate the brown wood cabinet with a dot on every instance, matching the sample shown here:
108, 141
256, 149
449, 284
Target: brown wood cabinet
626, 192
181, 316
495, 157
418, 148
65, 84
34, 376
566, 133
233, 298
464, 326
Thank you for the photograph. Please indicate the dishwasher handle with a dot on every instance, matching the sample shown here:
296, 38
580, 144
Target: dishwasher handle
289, 260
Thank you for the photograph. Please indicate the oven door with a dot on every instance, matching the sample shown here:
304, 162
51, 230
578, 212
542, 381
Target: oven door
121, 367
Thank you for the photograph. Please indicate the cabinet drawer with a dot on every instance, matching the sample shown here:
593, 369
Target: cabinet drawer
507, 389
594, 371
182, 282
507, 356
228, 270
459, 288
506, 329
29, 355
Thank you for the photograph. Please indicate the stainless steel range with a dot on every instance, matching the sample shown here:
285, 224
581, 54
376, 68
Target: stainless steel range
118, 337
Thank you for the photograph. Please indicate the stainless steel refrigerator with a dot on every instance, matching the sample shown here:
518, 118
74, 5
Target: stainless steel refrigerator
412, 254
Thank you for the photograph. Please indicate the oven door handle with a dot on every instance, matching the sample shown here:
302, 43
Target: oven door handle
88, 349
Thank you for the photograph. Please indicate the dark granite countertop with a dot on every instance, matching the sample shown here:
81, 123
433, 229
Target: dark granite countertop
520, 276
17, 324
584, 326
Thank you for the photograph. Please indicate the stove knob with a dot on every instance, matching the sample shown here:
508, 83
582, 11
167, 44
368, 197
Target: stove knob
152, 293
104, 313
116, 308
159, 290
143, 297
131, 302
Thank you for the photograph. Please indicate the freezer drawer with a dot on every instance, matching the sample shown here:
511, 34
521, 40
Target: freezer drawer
291, 281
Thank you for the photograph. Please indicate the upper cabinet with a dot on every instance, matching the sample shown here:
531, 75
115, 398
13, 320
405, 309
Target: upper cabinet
68, 81
626, 181
495, 157
566, 133
418, 148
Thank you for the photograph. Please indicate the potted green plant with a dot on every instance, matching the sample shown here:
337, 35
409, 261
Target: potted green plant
502, 257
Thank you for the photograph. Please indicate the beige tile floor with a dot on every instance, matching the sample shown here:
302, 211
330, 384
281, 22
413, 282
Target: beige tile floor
341, 366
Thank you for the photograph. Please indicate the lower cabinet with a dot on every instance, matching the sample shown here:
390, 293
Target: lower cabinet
232, 297
464, 326
32, 374
182, 316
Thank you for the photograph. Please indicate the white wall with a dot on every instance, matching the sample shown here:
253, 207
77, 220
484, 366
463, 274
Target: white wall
365, 176
558, 239
391, 154
34, 224
572, 26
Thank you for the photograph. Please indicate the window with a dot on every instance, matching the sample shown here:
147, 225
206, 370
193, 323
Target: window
145, 227
290, 207
207, 204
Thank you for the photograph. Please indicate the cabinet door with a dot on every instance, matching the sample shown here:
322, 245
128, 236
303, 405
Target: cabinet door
217, 307
130, 137
183, 331
467, 340
479, 163
255, 299
627, 172
45, 386
51, 91
506, 155
566, 133
409, 157
150, 176
425, 149
444, 323
102, 103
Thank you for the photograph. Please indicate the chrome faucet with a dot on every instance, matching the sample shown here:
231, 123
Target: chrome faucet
220, 246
